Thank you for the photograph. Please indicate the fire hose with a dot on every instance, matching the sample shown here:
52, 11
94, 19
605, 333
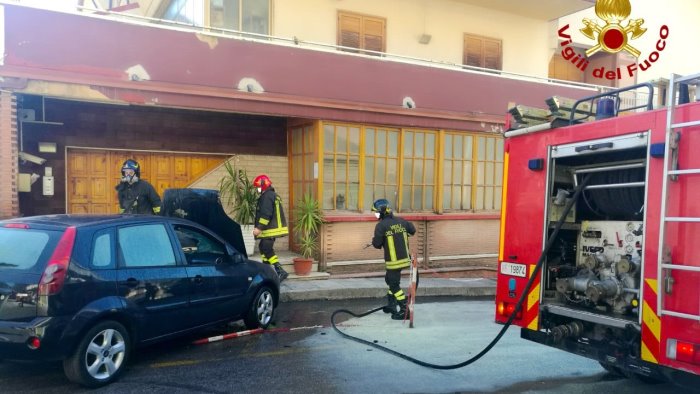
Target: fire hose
518, 306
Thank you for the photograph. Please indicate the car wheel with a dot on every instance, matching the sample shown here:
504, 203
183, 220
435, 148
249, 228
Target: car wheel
261, 310
100, 356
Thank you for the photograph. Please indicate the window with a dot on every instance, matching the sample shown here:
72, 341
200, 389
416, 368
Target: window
381, 165
361, 31
251, 16
482, 52
303, 160
102, 256
489, 173
186, 11
418, 173
472, 175
457, 172
361, 163
341, 166
199, 247
145, 246
23, 249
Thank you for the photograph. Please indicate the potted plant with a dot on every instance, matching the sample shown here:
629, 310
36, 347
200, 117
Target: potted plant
308, 218
237, 190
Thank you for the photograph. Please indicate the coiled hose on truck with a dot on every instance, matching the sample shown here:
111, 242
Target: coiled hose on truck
518, 306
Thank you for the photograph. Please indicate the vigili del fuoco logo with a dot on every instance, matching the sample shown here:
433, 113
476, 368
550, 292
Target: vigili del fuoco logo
612, 37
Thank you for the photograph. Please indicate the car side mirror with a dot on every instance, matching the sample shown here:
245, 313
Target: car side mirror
237, 258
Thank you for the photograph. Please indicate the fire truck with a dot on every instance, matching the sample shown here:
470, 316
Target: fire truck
600, 232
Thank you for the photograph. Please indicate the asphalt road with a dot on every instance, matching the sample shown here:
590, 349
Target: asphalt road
312, 359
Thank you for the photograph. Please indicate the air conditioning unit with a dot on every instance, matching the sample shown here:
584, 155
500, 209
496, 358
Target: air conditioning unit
27, 115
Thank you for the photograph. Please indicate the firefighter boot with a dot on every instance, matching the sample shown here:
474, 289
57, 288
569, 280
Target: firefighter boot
390, 306
280, 271
402, 312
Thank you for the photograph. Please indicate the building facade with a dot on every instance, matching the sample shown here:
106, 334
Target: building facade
349, 101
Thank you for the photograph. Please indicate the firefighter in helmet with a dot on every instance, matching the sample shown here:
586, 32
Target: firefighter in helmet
391, 233
270, 223
136, 195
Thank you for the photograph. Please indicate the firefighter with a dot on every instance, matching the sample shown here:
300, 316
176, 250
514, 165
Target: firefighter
270, 223
136, 195
391, 233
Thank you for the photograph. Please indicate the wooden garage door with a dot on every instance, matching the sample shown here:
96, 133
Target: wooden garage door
93, 174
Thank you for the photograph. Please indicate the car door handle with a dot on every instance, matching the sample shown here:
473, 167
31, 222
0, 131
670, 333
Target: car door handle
132, 282
198, 279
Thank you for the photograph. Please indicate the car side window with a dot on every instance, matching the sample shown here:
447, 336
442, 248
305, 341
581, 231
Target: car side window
102, 256
146, 245
198, 246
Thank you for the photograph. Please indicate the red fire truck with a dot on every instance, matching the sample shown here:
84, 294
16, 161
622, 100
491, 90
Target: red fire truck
599, 233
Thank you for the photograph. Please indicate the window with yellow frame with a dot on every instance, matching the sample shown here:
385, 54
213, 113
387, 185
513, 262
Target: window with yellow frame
341, 166
363, 163
303, 143
381, 165
418, 170
472, 172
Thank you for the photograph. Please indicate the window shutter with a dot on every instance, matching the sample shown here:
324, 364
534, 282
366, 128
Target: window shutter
362, 32
492, 54
350, 27
483, 52
373, 34
473, 50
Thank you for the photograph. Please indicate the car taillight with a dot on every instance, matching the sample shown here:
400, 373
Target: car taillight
507, 308
683, 351
34, 343
55, 273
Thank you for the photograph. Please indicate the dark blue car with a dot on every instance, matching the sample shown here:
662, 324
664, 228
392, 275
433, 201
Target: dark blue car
88, 289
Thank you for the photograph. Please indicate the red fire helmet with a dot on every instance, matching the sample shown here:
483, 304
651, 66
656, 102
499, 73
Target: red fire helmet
262, 181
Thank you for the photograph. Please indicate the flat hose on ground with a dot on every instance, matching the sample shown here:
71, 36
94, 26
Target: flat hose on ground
518, 306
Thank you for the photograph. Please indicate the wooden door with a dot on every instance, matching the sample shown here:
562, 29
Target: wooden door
93, 174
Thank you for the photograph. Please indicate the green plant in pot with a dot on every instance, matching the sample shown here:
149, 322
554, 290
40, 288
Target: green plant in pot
308, 218
241, 199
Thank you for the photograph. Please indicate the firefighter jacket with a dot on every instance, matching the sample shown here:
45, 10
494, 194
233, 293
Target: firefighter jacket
269, 215
138, 197
391, 233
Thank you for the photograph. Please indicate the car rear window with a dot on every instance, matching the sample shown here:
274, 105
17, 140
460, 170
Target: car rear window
26, 249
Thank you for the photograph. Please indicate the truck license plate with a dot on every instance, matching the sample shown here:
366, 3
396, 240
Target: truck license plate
514, 269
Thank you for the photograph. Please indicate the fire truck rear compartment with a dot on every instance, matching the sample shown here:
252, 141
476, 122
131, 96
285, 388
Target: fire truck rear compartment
591, 276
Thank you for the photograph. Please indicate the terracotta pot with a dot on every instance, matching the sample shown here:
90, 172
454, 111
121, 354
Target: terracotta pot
302, 266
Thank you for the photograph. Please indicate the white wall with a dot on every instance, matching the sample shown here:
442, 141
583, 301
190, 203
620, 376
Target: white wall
681, 55
525, 44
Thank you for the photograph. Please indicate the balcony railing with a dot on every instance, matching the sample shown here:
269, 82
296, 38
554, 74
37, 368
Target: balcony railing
348, 51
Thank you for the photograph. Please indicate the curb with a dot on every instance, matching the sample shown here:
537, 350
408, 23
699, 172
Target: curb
473, 288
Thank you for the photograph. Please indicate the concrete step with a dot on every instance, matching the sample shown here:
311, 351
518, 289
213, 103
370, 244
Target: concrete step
314, 274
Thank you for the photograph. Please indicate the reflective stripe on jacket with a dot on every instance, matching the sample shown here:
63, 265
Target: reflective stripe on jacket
269, 215
391, 233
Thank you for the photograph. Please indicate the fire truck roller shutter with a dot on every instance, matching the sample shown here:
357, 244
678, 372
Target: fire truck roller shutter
624, 203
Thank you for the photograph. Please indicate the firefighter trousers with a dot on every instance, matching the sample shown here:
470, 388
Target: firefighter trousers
267, 251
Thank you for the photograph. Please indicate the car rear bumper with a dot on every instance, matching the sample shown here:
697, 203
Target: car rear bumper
16, 336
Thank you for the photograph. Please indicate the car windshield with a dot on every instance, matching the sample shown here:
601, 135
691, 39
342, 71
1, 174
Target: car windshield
22, 249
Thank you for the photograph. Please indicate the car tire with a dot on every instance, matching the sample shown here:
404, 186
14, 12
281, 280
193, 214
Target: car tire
101, 355
261, 310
